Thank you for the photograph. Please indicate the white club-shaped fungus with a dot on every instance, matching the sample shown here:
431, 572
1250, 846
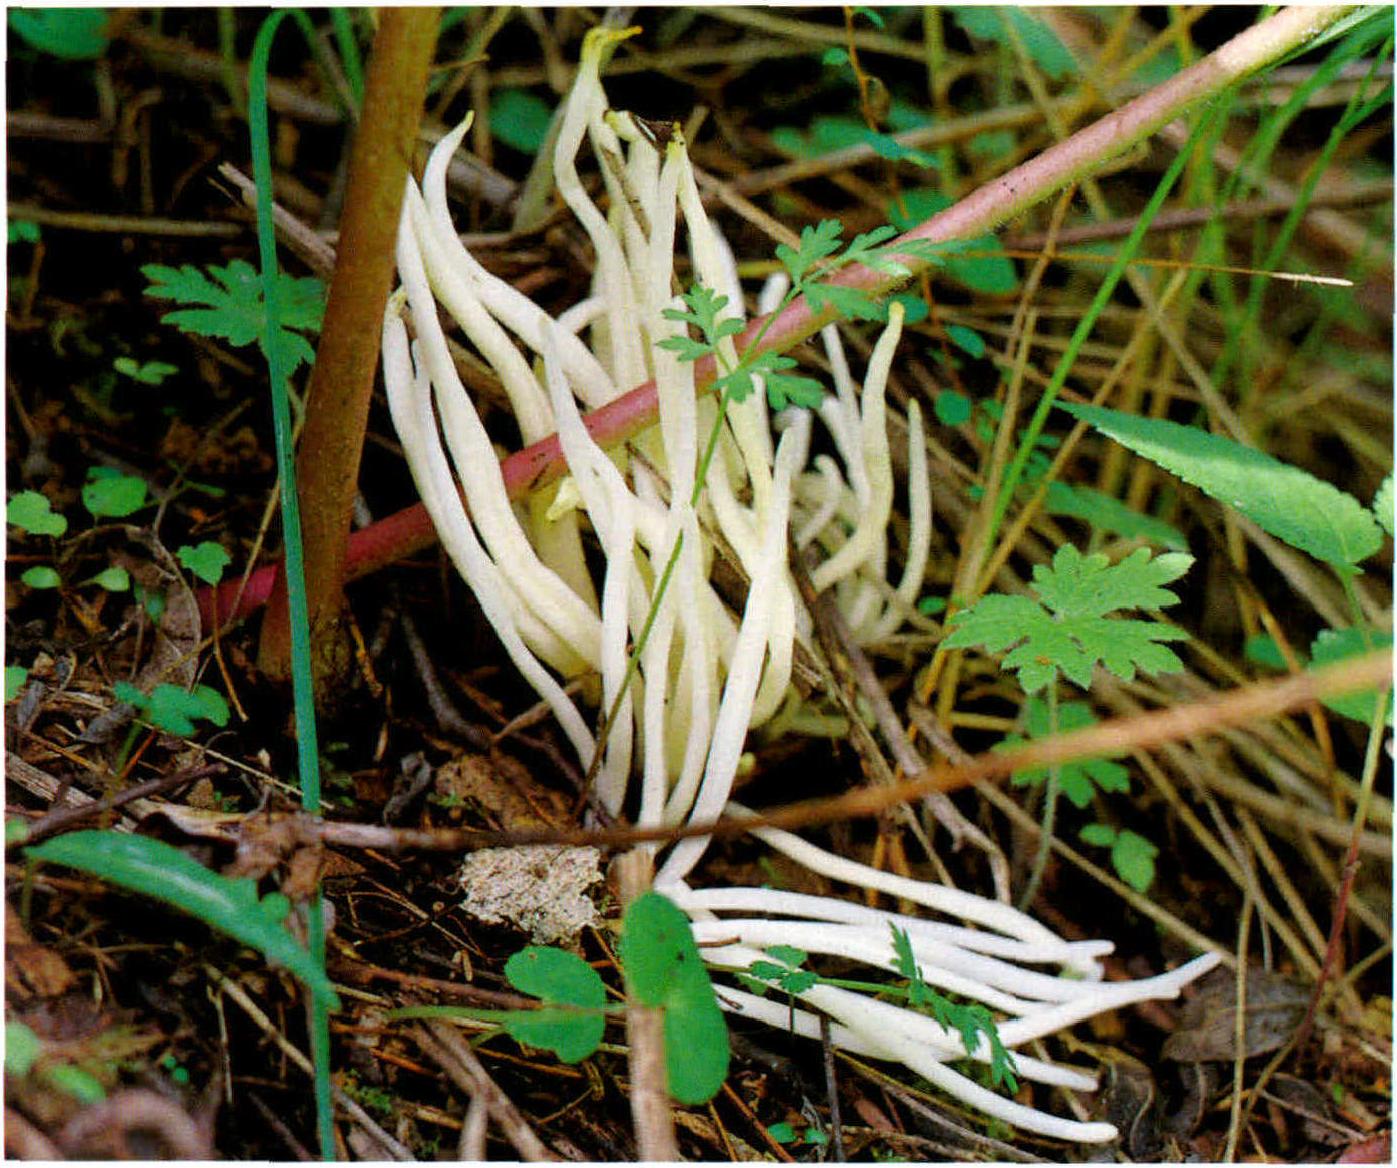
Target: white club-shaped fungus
706, 675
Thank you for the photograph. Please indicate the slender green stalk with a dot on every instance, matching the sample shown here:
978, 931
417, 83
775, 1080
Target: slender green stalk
308, 753
342, 23
1049, 821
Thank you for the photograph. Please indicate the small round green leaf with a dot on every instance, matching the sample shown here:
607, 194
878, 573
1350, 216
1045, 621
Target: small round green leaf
966, 339
32, 512
41, 576
109, 494
520, 119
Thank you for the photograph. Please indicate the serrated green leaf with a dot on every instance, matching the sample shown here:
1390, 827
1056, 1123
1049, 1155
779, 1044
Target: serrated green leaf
663, 969
816, 244
233, 305
847, 303
574, 1029
72, 34
1107, 513
41, 577
783, 389
1040, 42
110, 494
22, 231
162, 872
1077, 633
15, 677
1285, 501
1383, 505
32, 512
520, 119
686, 348
1078, 779
1091, 586
1334, 645
206, 560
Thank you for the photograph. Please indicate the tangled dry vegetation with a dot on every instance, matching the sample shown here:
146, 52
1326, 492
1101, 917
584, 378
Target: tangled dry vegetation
825, 577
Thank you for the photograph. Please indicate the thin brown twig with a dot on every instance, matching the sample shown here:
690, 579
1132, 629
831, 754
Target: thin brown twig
1238, 707
463, 1068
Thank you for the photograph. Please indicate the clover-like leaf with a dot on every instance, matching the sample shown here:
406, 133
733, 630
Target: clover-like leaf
32, 512
663, 969
572, 1023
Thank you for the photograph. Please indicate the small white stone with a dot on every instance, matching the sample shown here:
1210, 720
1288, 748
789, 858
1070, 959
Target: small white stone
540, 889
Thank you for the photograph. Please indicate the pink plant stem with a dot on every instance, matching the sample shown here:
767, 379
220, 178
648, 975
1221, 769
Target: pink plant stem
1011, 194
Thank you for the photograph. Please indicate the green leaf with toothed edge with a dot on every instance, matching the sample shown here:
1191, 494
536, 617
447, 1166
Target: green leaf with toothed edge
1284, 501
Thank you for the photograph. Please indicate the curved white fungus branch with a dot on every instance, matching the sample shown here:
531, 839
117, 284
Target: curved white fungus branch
706, 674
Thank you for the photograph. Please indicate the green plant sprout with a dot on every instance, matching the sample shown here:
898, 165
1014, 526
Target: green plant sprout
172, 708
232, 306
206, 560
1132, 855
662, 970
145, 372
684, 676
1069, 631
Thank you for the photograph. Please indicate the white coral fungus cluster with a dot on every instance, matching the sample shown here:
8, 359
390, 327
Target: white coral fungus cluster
706, 675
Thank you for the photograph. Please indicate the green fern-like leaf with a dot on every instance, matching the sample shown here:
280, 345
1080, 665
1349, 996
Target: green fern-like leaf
230, 305
1069, 630
1283, 500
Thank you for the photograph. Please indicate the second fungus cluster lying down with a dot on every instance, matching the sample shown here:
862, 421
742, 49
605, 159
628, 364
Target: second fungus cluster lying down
661, 516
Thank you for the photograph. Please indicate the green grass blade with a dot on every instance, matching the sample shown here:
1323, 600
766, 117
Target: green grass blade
1084, 328
301, 678
155, 869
